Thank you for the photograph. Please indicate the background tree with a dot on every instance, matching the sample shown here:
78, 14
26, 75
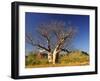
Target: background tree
56, 36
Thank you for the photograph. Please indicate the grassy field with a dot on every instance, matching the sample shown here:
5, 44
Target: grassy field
76, 58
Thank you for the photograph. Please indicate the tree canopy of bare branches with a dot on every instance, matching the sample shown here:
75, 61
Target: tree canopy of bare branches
56, 35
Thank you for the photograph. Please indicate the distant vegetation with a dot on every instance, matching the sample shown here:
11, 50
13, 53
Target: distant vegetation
73, 58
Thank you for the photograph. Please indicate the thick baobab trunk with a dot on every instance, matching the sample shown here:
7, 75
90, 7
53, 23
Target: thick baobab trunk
49, 57
54, 56
57, 58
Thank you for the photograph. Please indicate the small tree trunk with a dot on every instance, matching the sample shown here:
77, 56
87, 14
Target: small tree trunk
49, 57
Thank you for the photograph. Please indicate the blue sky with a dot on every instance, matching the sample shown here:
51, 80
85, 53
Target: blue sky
81, 22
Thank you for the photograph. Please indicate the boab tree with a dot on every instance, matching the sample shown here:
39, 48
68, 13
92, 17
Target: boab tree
54, 37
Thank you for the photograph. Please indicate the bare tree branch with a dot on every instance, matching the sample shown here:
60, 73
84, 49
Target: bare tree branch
45, 32
30, 40
41, 47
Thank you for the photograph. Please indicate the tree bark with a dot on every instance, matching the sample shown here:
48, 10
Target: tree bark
57, 58
54, 56
55, 52
50, 57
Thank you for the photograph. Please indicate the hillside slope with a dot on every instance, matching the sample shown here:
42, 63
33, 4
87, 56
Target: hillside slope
75, 58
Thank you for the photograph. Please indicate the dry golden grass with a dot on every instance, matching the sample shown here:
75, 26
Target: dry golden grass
76, 58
